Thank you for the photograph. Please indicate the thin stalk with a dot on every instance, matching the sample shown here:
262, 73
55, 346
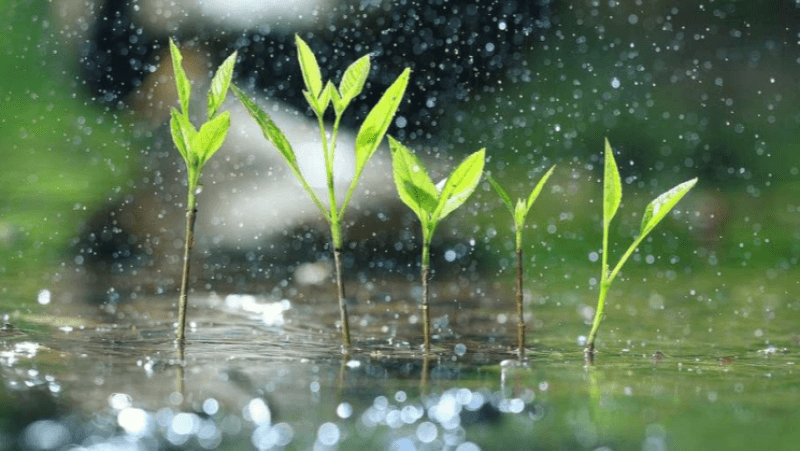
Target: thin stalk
191, 215
180, 377
605, 284
520, 313
333, 217
337, 260
588, 352
425, 269
423, 378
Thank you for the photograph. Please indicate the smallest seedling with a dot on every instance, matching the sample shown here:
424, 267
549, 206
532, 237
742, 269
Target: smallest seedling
653, 214
431, 203
196, 147
520, 212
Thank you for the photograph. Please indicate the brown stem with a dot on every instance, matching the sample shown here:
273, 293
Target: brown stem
426, 314
180, 378
337, 260
340, 381
520, 313
191, 215
423, 378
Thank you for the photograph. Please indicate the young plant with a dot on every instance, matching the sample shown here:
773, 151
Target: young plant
653, 214
519, 211
196, 147
369, 136
431, 203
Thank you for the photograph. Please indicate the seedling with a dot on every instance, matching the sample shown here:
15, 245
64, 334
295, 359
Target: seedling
653, 214
369, 136
196, 147
431, 203
519, 213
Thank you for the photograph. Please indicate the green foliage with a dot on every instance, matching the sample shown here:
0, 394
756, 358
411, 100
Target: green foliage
368, 139
417, 191
612, 186
197, 146
370, 134
653, 214
520, 210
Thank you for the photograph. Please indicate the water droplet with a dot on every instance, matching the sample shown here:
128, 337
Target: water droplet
615, 83
43, 297
460, 349
344, 410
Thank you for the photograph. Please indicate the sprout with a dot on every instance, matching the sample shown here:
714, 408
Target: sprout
370, 135
653, 214
431, 203
519, 211
196, 148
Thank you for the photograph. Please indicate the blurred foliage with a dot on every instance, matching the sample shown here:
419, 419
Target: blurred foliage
681, 91
62, 155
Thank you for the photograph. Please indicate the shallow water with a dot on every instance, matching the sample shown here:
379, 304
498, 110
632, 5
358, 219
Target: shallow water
707, 367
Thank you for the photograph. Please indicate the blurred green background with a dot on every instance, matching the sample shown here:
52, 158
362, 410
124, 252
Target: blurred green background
682, 91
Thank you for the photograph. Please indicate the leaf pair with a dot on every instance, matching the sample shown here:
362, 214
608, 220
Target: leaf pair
197, 146
521, 209
371, 132
350, 86
416, 189
654, 213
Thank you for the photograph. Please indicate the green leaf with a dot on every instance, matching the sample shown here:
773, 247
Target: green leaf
325, 97
178, 136
537, 190
220, 84
211, 136
377, 122
338, 104
312, 102
186, 134
612, 187
460, 184
414, 186
181, 80
501, 192
268, 128
353, 79
309, 67
661, 206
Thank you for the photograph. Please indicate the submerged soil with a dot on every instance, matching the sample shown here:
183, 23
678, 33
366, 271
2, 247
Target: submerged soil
712, 366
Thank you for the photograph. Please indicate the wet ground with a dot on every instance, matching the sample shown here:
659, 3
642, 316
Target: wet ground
701, 365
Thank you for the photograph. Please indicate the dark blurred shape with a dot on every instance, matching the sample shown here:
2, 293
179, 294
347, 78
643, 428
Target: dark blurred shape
113, 62
453, 47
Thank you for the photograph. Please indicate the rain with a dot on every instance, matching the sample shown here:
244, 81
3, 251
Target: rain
699, 338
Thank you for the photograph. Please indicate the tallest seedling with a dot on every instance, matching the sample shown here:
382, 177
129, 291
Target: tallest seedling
196, 147
653, 214
319, 96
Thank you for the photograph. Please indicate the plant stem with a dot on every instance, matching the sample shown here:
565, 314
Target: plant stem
337, 261
520, 314
588, 353
425, 268
191, 215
